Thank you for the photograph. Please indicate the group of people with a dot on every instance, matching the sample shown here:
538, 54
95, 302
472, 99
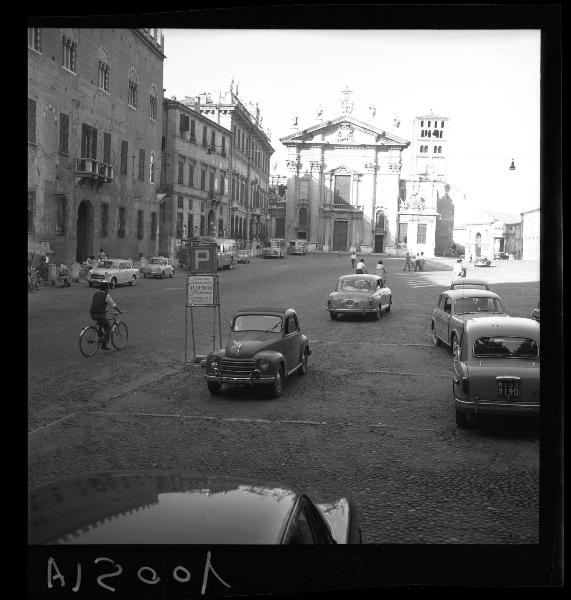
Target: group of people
361, 268
415, 263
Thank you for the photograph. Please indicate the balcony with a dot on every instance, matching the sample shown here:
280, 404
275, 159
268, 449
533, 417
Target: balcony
95, 171
343, 207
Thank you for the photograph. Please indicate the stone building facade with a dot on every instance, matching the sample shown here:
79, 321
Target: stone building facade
513, 242
343, 185
194, 190
248, 163
530, 234
94, 135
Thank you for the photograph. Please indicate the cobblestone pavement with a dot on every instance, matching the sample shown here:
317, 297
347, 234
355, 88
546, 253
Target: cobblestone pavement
372, 418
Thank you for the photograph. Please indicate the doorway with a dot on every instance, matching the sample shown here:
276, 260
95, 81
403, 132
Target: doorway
84, 230
379, 243
340, 235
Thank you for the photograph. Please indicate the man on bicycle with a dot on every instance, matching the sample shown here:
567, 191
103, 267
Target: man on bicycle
98, 307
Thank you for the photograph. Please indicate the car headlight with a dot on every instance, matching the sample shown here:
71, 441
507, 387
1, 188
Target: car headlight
214, 362
263, 364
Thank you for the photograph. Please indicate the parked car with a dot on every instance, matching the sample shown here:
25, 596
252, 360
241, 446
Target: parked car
359, 295
172, 507
159, 266
482, 261
535, 313
455, 307
243, 256
460, 283
296, 247
501, 256
265, 347
496, 369
114, 271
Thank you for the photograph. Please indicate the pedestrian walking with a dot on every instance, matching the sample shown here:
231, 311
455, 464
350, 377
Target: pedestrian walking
381, 272
407, 263
422, 261
361, 267
417, 262
102, 255
353, 259
470, 257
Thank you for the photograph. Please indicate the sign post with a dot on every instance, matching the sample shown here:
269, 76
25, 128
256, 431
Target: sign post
202, 288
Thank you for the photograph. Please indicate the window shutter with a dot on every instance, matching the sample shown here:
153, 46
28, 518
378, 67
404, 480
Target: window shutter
31, 120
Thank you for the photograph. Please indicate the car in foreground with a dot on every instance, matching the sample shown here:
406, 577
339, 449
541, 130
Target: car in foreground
535, 313
264, 348
482, 261
460, 283
359, 295
173, 507
455, 307
159, 266
496, 369
114, 271
243, 257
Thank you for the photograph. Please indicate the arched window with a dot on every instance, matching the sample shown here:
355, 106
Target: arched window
153, 102
103, 69
380, 221
133, 86
69, 51
302, 217
152, 168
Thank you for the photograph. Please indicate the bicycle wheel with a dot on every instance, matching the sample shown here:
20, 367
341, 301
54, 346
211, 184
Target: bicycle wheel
89, 341
119, 335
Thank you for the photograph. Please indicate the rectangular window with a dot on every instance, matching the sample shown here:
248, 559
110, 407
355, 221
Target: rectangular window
31, 208
180, 172
223, 146
31, 121
202, 225
153, 226
213, 140
204, 136
104, 220
179, 225
163, 211
212, 175
103, 76
88, 142
222, 183
192, 131
60, 215
421, 233
181, 202
190, 226
124, 155
152, 105
403, 230
140, 225
121, 223
190, 175
132, 99
107, 148
35, 38
184, 119
64, 133
203, 179
342, 189
142, 164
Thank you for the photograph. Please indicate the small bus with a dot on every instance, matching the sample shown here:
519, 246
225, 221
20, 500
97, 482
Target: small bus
275, 248
226, 251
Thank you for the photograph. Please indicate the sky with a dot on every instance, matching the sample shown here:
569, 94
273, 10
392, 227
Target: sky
487, 82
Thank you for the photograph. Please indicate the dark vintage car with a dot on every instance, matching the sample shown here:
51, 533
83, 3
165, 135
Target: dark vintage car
460, 283
482, 261
243, 257
455, 307
173, 507
535, 313
496, 369
265, 347
501, 256
359, 295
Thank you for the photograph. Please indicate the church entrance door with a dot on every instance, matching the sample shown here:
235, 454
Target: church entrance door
379, 243
340, 235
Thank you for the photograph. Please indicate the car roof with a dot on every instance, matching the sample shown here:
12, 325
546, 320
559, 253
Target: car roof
358, 276
116, 259
159, 507
470, 293
503, 325
264, 310
468, 281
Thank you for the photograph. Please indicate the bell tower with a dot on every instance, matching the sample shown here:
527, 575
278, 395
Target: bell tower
429, 146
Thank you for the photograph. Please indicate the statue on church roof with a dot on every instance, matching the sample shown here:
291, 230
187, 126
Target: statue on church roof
373, 111
346, 102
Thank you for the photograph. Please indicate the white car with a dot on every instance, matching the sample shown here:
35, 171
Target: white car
114, 271
159, 266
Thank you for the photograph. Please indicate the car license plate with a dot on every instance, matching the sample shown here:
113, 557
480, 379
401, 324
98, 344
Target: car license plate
349, 303
508, 388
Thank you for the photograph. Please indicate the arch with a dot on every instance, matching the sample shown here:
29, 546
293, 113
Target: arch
84, 231
478, 244
104, 68
380, 220
211, 224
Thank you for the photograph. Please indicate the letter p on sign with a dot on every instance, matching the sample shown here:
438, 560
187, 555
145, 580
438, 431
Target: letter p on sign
203, 259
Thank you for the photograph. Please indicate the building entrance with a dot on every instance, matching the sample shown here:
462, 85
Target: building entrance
379, 243
84, 231
340, 235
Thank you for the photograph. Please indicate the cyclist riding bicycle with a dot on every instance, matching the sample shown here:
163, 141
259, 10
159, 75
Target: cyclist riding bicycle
98, 307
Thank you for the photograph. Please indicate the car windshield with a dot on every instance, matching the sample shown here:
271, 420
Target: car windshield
477, 304
355, 284
515, 347
105, 264
158, 261
266, 323
471, 286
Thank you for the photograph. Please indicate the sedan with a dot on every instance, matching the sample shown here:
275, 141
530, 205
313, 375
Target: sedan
359, 295
501, 256
535, 313
482, 261
264, 348
496, 369
455, 307
113, 271
159, 266
461, 283
173, 507
243, 257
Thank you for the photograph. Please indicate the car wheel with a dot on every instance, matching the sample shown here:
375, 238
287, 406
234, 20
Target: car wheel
163, 275
278, 384
113, 283
388, 309
133, 280
213, 387
333, 316
377, 313
436, 341
89, 284
144, 275
172, 274
302, 369
463, 420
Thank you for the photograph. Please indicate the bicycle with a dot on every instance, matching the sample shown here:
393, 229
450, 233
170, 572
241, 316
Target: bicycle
91, 337
34, 281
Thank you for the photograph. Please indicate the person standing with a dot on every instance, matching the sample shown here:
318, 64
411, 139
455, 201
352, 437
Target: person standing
382, 272
458, 268
422, 261
407, 263
102, 255
361, 267
417, 262
353, 259
98, 309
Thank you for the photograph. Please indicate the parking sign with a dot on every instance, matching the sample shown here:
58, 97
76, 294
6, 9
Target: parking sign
202, 257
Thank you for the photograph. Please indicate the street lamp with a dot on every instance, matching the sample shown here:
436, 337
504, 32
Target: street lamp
512, 166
